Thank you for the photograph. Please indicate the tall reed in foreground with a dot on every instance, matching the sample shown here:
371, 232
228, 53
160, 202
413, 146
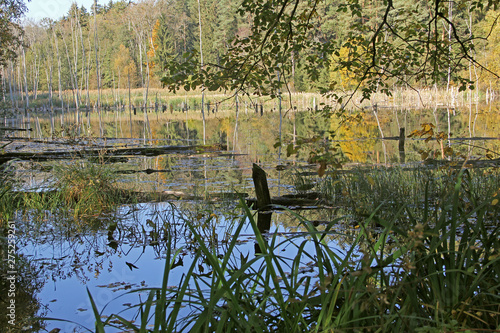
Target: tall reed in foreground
439, 272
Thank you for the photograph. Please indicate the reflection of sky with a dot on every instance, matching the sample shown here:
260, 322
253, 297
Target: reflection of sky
66, 296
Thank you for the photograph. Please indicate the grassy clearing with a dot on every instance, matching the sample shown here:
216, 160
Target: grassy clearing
438, 272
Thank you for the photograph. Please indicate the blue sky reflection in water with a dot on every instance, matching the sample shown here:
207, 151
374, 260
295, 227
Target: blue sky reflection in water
70, 264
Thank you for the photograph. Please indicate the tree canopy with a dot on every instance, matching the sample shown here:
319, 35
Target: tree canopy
378, 43
11, 12
261, 47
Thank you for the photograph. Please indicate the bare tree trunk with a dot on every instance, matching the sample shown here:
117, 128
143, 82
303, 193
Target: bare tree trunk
3, 84
235, 136
202, 87
450, 27
48, 73
144, 83
85, 68
74, 45
36, 69
147, 92
139, 44
114, 88
130, 105
11, 69
87, 79
20, 84
97, 69
58, 66
72, 75
25, 81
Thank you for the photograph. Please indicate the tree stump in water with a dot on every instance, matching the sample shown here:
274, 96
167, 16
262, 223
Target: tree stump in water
261, 188
402, 155
263, 198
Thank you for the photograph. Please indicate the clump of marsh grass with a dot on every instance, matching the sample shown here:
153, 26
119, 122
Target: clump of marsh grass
80, 189
87, 188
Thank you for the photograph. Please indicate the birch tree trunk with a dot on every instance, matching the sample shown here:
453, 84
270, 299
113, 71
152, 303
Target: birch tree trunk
11, 93
25, 81
202, 87
58, 66
97, 70
71, 73
85, 72
450, 28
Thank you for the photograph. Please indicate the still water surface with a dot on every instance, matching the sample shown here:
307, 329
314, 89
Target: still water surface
67, 263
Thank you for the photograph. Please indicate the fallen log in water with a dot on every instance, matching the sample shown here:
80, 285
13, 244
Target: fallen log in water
290, 203
98, 152
135, 197
143, 197
15, 129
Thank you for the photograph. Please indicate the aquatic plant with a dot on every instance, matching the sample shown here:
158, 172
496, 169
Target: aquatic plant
80, 189
87, 188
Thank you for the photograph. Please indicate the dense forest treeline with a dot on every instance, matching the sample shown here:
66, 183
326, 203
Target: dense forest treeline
129, 44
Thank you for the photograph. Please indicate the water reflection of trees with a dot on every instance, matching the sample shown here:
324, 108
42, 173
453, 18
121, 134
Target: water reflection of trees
28, 283
60, 251
63, 247
257, 134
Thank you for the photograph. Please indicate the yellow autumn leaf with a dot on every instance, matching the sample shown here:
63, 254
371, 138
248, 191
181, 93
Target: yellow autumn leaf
494, 202
427, 127
370, 180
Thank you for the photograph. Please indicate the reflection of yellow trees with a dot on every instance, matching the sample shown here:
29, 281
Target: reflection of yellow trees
162, 163
225, 126
352, 130
154, 135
